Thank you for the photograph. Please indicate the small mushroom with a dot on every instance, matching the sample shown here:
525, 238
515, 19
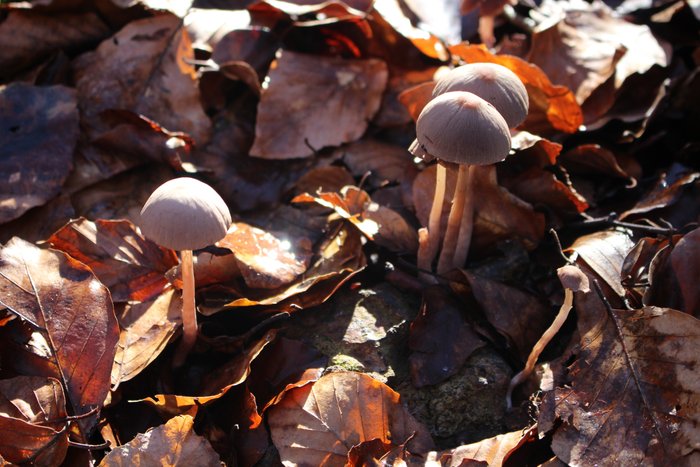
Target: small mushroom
460, 128
185, 214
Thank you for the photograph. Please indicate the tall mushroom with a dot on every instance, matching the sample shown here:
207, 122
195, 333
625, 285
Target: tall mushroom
502, 88
185, 214
460, 128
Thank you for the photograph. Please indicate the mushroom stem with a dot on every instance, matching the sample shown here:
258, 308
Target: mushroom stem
540, 345
189, 312
466, 227
430, 248
454, 221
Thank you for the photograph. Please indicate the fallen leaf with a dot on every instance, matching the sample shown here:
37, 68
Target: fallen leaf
132, 267
667, 192
145, 329
40, 132
71, 311
440, 339
318, 424
685, 261
30, 36
174, 443
552, 106
633, 398
492, 451
594, 159
265, 261
33, 424
344, 95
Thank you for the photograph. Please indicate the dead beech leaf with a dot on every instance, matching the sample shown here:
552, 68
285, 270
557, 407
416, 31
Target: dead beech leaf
592, 158
28, 36
33, 425
382, 162
217, 384
265, 261
604, 252
132, 267
633, 397
145, 329
340, 257
318, 424
416, 97
551, 106
143, 68
685, 261
71, 311
440, 339
493, 451
667, 191
314, 101
174, 443
40, 131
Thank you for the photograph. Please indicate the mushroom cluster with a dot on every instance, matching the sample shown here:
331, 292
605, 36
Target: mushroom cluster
467, 123
185, 214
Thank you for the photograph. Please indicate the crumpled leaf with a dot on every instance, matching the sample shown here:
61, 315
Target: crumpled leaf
329, 102
28, 36
174, 443
33, 425
552, 106
440, 339
317, 424
72, 313
265, 261
40, 131
132, 267
633, 397
145, 329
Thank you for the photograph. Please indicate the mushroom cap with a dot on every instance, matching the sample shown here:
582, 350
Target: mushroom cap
492, 82
185, 214
462, 128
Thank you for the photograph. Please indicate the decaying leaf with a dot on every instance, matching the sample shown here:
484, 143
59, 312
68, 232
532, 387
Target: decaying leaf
145, 329
39, 133
329, 102
633, 396
318, 424
174, 443
72, 313
132, 267
33, 424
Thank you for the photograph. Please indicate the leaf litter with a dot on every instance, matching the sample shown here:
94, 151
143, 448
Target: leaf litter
318, 343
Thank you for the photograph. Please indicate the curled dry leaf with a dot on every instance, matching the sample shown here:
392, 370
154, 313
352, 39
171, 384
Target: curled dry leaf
28, 36
265, 261
685, 261
40, 131
319, 423
492, 451
33, 425
327, 100
440, 339
592, 158
668, 191
633, 397
174, 443
72, 313
145, 329
132, 267
552, 106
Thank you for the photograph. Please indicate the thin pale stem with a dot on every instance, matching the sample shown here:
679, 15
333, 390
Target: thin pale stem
466, 227
541, 344
454, 221
428, 250
189, 312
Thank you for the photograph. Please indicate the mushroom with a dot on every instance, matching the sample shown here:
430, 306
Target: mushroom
502, 88
459, 128
185, 214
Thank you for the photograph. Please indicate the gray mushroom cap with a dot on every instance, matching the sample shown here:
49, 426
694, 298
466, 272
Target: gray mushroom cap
185, 214
492, 82
462, 128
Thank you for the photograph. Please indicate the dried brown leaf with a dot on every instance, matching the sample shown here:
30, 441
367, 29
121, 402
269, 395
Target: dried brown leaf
71, 311
40, 131
492, 451
633, 397
33, 425
685, 261
328, 101
174, 443
132, 267
318, 424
